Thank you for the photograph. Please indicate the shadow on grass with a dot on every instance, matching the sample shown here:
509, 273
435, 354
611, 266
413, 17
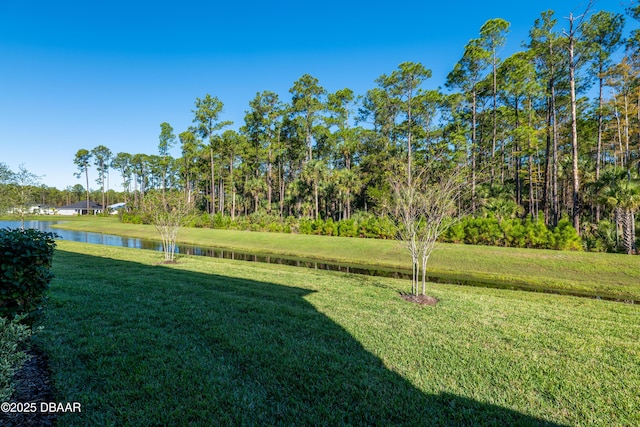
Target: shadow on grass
150, 345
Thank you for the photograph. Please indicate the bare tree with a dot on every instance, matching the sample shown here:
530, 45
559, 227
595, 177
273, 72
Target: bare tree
168, 213
424, 207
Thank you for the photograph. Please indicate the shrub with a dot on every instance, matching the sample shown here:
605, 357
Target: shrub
600, 237
347, 228
330, 228
135, 217
12, 335
565, 237
455, 233
25, 267
514, 232
305, 226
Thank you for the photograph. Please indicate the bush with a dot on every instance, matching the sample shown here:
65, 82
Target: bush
514, 232
12, 335
565, 237
25, 266
347, 228
305, 226
134, 217
600, 237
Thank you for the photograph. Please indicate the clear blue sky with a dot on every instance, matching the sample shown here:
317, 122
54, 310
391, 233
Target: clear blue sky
78, 74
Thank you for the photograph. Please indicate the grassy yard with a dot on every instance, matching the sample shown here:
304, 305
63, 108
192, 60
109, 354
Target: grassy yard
592, 274
219, 342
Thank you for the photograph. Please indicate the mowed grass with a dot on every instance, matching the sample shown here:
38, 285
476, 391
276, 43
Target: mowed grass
219, 342
612, 276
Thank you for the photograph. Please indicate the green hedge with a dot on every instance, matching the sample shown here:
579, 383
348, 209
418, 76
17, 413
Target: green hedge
25, 271
362, 224
514, 232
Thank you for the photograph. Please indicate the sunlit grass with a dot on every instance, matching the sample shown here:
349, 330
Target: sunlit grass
593, 274
215, 342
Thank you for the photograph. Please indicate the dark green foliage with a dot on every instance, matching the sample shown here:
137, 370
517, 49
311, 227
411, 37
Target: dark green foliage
514, 232
12, 334
25, 266
361, 225
601, 237
565, 238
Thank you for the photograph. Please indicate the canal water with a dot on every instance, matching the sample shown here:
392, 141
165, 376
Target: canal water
130, 242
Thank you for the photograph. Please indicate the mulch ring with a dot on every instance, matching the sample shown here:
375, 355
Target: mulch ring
420, 299
32, 386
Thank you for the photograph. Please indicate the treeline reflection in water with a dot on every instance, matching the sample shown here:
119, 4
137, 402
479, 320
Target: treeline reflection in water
130, 242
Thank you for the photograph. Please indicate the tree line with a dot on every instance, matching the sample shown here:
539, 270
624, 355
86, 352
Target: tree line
551, 131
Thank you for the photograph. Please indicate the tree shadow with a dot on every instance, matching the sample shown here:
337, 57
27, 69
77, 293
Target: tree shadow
160, 346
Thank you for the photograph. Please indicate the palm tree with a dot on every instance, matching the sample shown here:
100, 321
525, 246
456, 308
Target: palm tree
622, 193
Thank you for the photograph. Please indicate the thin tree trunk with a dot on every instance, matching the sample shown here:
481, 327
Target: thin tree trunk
473, 153
599, 138
212, 206
86, 173
518, 160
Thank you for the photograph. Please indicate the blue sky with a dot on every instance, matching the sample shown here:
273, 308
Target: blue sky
81, 74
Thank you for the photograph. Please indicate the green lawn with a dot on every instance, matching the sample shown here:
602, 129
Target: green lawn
592, 274
219, 342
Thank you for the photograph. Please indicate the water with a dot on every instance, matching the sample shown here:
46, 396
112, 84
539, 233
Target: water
131, 242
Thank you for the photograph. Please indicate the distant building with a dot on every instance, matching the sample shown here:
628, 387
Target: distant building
33, 210
80, 208
114, 208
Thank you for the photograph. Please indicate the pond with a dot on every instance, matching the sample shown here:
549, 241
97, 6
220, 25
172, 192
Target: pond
131, 242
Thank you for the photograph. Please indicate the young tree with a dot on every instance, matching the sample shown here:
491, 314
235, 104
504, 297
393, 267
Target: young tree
424, 208
168, 213
81, 160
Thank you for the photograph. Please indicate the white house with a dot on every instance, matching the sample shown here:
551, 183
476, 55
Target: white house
80, 208
114, 208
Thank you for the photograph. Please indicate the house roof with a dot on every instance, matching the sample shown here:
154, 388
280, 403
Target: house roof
82, 205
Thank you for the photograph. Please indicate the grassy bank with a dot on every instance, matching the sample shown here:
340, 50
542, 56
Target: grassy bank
590, 274
218, 342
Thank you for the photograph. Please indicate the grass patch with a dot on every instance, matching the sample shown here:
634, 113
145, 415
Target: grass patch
610, 276
210, 341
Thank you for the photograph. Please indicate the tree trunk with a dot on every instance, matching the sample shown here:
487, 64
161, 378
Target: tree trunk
574, 129
86, 173
518, 159
473, 152
599, 138
315, 193
269, 183
212, 206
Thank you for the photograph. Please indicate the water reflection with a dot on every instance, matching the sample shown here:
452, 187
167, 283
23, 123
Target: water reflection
130, 242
